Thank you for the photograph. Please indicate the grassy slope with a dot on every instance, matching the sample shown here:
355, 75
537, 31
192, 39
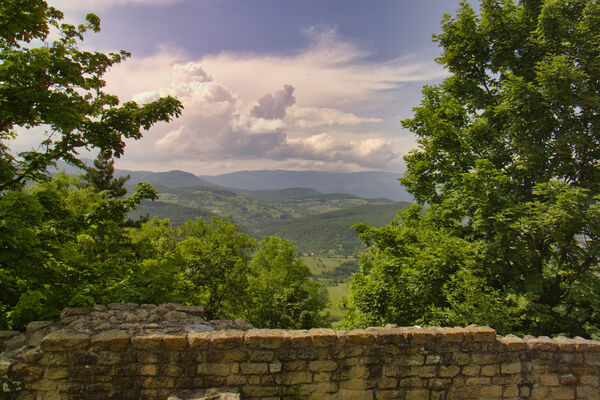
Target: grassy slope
330, 233
322, 268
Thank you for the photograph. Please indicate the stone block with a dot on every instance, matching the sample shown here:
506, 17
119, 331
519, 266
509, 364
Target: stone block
254, 368
158, 382
439, 383
481, 333
250, 391
149, 370
56, 373
322, 366
275, 367
489, 370
511, 368
152, 357
421, 336
147, 342
541, 344
265, 338
562, 393
387, 383
453, 335
477, 381
260, 355
493, 391
360, 337
390, 394
236, 355
113, 340
226, 339
471, 370
199, 341
296, 377
299, 338
323, 337
449, 371
417, 394
219, 369
175, 342
355, 394
484, 358
235, 380
63, 340
512, 343
172, 370
413, 382
357, 384
326, 387
549, 380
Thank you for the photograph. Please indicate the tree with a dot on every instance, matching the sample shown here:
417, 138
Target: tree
282, 293
214, 258
59, 88
61, 243
507, 174
101, 176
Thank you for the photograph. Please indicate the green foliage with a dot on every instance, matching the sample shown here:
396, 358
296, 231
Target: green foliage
282, 293
63, 244
214, 257
331, 233
507, 174
66, 241
341, 273
58, 87
101, 176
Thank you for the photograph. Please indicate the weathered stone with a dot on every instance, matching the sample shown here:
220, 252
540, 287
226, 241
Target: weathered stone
147, 342
64, 340
265, 338
449, 371
139, 353
114, 340
322, 366
199, 341
254, 368
360, 337
219, 369
175, 342
323, 337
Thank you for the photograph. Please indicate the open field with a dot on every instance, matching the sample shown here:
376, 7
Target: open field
336, 289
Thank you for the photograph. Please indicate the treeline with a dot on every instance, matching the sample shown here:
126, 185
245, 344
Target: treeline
67, 242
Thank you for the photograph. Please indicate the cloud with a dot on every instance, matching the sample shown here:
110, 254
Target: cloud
99, 5
274, 106
271, 110
312, 117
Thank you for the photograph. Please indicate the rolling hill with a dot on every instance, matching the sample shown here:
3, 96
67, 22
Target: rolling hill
369, 184
330, 233
271, 202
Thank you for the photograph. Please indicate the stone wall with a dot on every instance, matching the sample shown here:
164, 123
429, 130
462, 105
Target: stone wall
375, 363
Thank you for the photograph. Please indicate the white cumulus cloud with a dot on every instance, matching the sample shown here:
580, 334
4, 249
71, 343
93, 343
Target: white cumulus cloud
265, 111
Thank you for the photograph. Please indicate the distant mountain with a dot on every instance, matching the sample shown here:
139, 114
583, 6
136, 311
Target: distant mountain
369, 184
366, 185
175, 178
315, 209
169, 179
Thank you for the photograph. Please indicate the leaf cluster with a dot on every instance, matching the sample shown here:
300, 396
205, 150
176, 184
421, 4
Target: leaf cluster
507, 177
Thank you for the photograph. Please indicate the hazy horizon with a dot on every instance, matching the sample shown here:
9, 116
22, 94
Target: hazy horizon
268, 85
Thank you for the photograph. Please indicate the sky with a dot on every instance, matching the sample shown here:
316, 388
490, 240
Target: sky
271, 84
